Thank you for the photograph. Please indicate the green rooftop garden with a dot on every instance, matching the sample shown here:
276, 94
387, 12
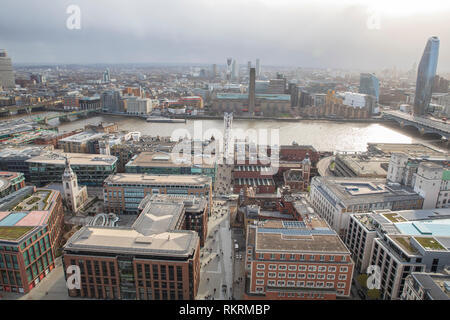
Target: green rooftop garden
394, 217
14, 232
406, 244
429, 243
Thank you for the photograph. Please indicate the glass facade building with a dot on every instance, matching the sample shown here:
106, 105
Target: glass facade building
369, 84
425, 76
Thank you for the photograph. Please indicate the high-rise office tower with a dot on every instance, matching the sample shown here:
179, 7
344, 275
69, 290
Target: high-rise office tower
6, 71
425, 76
258, 68
229, 61
214, 71
235, 70
106, 76
369, 84
251, 92
249, 65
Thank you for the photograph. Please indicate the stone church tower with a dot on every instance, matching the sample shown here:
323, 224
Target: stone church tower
75, 197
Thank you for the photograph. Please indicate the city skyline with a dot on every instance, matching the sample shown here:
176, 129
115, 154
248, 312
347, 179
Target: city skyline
308, 35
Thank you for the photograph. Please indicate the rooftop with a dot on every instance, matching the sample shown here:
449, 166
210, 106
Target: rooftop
76, 159
414, 150
13, 233
31, 212
164, 159
155, 232
82, 137
437, 286
131, 178
353, 191
277, 235
363, 165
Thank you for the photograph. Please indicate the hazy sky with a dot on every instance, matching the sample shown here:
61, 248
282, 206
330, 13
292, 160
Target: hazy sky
304, 33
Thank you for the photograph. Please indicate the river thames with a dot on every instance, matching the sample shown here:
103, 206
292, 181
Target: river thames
323, 135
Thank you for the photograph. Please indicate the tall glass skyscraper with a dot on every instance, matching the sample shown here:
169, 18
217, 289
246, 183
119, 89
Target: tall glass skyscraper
425, 76
369, 84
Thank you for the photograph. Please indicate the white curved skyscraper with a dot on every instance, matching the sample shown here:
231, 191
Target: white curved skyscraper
6, 71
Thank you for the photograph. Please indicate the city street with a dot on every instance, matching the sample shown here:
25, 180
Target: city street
223, 183
217, 256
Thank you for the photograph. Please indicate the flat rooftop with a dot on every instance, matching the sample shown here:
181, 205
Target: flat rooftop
163, 159
82, 137
137, 178
436, 285
155, 232
30, 213
366, 166
76, 159
295, 236
414, 150
352, 191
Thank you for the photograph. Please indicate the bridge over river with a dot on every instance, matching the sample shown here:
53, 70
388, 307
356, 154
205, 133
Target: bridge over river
424, 125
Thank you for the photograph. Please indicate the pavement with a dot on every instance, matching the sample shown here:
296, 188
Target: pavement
223, 182
216, 257
52, 287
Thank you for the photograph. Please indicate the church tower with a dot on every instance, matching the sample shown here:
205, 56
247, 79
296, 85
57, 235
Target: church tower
75, 197
70, 185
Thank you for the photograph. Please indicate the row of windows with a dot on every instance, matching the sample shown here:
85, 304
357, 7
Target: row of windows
261, 274
283, 267
291, 283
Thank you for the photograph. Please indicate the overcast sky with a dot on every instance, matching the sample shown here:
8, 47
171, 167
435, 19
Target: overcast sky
304, 33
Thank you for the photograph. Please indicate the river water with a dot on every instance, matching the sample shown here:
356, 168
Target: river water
323, 135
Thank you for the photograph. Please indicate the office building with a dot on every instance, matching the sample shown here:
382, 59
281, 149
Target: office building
14, 159
82, 142
301, 260
369, 84
31, 227
106, 76
360, 165
6, 71
238, 103
335, 198
235, 70
91, 169
432, 182
111, 101
164, 163
399, 243
154, 259
123, 192
427, 286
138, 106
195, 211
10, 182
258, 68
89, 103
425, 76
251, 92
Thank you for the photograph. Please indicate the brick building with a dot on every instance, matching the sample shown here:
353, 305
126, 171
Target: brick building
30, 232
154, 259
296, 260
